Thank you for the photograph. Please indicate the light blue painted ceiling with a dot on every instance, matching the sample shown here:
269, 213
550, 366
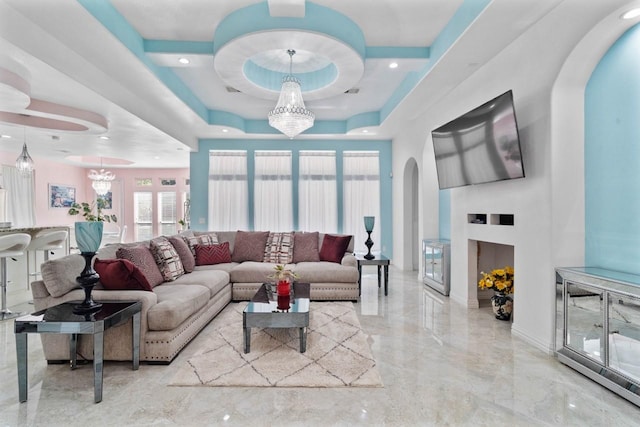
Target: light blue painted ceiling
245, 59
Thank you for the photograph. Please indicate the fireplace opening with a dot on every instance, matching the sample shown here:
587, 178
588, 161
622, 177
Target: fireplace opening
488, 256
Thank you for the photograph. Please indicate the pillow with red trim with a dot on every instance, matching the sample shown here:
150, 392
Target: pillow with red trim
305, 247
213, 254
249, 246
121, 274
142, 258
334, 248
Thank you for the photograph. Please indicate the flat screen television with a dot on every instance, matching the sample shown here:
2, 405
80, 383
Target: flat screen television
480, 146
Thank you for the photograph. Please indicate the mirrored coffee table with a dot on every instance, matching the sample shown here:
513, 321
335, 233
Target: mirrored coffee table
266, 310
61, 319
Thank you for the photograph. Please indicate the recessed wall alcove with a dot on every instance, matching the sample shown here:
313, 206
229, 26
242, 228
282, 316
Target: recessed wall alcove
488, 256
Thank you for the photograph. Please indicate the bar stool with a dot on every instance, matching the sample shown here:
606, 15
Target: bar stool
10, 245
45, 241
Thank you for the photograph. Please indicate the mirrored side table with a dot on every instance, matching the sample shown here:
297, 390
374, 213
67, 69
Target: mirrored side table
61, 319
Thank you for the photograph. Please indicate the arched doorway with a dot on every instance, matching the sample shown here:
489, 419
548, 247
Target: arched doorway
411, 223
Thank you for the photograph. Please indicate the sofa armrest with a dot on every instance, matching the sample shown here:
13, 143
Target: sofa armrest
349, 260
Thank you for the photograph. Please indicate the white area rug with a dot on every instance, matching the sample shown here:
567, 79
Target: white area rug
337, 354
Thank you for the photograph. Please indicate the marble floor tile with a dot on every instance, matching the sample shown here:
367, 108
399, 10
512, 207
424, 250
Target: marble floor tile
441, 364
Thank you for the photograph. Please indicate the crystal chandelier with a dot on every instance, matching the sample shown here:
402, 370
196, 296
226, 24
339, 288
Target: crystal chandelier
101, 180
24, 162
290, 115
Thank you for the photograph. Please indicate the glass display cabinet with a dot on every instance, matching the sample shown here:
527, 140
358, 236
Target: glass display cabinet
598, 327
436, 254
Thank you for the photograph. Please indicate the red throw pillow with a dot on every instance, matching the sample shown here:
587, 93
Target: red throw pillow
212, 254
334, 248
121, 274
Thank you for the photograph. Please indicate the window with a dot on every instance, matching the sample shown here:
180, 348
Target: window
228, 190
317, 192
143, 215
361, 171
273, 201
167, 216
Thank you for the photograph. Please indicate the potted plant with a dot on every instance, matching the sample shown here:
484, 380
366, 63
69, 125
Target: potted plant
501, 281
283, 278
88, 239
89, 232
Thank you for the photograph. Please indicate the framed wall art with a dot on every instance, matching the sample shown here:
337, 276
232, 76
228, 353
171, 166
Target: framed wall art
61, 196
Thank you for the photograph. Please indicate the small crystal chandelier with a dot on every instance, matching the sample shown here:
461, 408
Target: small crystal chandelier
101, 180
24, 162
290, 115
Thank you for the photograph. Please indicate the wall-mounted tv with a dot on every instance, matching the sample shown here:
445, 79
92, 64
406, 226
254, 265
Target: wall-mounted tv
480, 146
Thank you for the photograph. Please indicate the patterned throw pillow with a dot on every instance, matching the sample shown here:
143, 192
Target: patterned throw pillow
202, 239
142, 258
249, 246
213, 254
184, 252
279, 248
118, 274
305, 247
167, 258
334, 248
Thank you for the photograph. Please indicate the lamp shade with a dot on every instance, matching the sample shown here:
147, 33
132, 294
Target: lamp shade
369, 222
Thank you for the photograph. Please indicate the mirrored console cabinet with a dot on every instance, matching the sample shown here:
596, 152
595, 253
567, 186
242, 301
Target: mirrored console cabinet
436, 254
598, 327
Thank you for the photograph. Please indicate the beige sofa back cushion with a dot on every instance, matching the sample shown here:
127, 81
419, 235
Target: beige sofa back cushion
59, 275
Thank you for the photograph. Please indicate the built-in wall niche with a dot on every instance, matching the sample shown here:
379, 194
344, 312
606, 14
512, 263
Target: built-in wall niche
490, 256
477, 218
501, 219
494, 219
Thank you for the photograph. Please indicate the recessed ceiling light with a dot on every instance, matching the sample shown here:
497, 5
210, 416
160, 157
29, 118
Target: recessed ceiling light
225, 130
183, 61
104, 137
5, 136
365, 130
393, 65
633, 13
156, 157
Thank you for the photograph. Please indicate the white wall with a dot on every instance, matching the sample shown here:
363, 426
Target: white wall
529, 67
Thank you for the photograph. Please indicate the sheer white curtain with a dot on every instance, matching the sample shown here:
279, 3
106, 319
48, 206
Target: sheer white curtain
361, 175
317, 192
21, 198
273, 199
228, 190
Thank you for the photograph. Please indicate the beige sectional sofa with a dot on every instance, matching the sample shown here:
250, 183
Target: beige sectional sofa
175, 311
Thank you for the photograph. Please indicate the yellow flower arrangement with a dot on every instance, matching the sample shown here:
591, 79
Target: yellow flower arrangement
500, 279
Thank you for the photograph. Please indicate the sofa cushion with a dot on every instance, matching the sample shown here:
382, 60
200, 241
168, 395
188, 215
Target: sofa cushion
214, 280
213, 254
175, 304
142, 258
200, 239
279, 248
59, 275
334, 247
305, 247
184, 252
167, 258
249, 246
253, 272
325, 272
120, 274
